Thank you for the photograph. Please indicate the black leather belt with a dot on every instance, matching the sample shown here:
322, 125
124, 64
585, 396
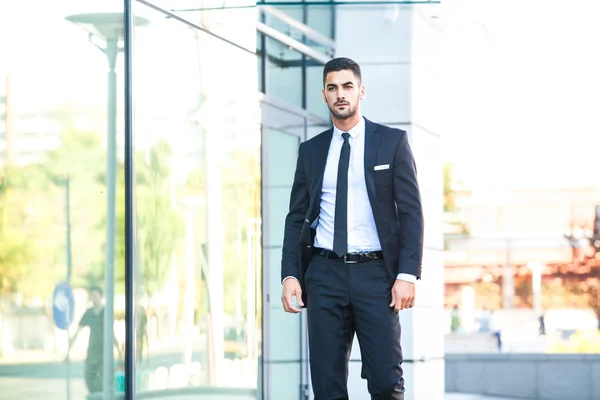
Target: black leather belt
350, 258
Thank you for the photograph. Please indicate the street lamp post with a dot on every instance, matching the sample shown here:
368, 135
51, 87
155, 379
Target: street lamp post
109, 28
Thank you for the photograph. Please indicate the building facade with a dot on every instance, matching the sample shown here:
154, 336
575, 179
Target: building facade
147, 154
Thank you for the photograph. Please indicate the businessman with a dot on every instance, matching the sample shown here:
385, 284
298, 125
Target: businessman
353, 241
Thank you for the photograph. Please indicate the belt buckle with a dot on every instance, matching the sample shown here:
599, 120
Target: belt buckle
348, 262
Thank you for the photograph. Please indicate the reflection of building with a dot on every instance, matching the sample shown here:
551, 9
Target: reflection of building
216, 124
26, 133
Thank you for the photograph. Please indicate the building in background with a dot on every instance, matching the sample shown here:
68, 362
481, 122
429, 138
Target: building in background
219, 99
529, 255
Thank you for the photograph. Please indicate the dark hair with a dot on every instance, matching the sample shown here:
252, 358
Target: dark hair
96, 289
340, 64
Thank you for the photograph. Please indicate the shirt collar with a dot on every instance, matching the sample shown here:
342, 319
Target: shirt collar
354, 132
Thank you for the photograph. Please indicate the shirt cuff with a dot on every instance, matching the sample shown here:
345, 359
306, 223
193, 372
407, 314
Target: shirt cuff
407, 277
287, 277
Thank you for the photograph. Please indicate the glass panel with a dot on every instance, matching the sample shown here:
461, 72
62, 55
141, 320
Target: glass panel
296, 12
283, 330
198, 194
314, 92
61, 200
320, 18
284, 73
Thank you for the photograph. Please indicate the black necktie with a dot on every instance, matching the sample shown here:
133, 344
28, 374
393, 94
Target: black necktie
340, 230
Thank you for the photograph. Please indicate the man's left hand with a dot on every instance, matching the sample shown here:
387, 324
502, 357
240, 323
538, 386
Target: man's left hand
403, 295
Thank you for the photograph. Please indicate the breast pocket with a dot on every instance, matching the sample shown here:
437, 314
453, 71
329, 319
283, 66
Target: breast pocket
383, 174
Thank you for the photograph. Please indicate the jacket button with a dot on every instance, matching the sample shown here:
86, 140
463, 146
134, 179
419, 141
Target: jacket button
307, 221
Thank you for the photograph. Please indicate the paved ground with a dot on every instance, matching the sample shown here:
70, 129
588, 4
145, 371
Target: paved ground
46, 381
460, 396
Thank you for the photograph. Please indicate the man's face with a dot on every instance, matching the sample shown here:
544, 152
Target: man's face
96, 298
342, 92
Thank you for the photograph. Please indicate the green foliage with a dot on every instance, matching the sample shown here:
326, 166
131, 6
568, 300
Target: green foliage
26, 241
448, 199
241, 204
160, 226
82, 160
33, 216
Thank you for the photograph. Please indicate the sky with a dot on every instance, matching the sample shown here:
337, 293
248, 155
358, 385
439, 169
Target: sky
522, 80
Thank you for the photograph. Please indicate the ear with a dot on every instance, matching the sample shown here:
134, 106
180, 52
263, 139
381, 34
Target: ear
323, 96
363, 92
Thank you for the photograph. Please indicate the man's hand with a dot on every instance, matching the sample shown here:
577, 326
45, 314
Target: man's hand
291, 287
403, 295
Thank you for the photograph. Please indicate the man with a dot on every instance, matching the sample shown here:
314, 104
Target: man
142, 343
93, 318
353, 241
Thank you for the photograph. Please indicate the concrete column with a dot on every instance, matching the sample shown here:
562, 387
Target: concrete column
508, 287
397, 48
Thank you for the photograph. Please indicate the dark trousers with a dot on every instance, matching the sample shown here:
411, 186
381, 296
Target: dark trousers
94, 369
343, 299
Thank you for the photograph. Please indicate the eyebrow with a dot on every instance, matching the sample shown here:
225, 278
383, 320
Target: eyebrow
343, 84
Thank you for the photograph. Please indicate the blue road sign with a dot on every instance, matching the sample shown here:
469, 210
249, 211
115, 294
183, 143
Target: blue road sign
63, 306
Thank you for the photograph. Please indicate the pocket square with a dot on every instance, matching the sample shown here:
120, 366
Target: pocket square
383, 166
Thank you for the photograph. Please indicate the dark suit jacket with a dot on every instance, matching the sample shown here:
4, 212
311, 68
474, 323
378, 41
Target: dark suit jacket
393, 194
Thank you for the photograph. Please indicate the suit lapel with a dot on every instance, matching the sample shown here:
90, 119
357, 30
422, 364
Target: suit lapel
372, 141
319, 162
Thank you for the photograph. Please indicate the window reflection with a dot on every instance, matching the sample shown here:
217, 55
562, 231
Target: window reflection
198, 205
54, 178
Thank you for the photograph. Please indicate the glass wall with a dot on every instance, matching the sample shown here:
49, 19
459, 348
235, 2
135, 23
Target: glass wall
293, 72
198, 194
61, 207
198, 261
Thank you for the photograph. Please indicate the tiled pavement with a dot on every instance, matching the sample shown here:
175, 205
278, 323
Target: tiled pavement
465, 396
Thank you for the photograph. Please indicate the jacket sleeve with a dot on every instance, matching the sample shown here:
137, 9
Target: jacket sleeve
298, 208
408, 205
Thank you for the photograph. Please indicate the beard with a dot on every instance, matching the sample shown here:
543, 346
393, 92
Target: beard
344, 114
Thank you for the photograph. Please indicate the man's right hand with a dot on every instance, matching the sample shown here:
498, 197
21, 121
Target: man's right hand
291, 287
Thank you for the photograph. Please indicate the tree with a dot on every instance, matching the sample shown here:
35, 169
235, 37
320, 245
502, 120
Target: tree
82, 159
590, 290
160, 226
25, 231
449, 205
26, 240
452, 215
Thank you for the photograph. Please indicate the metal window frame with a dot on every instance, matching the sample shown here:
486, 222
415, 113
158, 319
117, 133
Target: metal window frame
130, 204
291, 42
302, 27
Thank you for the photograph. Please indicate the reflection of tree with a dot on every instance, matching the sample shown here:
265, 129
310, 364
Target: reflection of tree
241, 205
32, 217
28, 219
160, 226
82, 158
15, 253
